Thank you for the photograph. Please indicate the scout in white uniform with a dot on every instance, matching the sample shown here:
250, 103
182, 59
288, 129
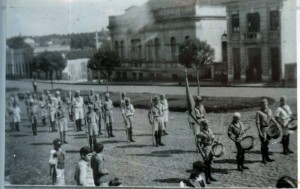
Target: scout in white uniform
200, 112
128, 112
108, 114
43, 109
164, 103
69, 103
16, 115
155, 116
284, 116
33, 116
78, 106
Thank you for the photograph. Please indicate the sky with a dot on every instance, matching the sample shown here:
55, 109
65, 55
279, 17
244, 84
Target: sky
42, 17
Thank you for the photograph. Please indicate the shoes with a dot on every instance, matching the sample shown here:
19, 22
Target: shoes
161, 144
165, 133
65, 142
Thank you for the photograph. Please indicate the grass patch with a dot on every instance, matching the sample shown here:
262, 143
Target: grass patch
177, 103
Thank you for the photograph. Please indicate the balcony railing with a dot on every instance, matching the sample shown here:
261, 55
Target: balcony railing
251, 37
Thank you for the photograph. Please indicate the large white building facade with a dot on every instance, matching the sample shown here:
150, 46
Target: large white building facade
147, 37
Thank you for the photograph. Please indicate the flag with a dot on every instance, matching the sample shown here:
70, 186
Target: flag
189, 99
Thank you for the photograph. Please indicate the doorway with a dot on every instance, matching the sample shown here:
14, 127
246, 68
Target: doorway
275, 64
254, 64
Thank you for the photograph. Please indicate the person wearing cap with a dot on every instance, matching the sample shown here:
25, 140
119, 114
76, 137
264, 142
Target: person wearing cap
62, 121
100, 172
156, 112
52, 111
205, 142
284, 116
56, 98
78, 106
83, 170
98, 110
200, 112
92, 128
236, 133
57, 164
128, 112
164, 103
263, 118
108, 114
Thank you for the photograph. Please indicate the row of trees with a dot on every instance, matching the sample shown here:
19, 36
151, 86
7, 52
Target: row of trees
193, 54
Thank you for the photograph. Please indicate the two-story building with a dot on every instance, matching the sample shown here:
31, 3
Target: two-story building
261, 38
147, 37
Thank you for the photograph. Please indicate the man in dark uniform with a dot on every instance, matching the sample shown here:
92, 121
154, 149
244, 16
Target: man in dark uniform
205, 142
236, 133
263, 118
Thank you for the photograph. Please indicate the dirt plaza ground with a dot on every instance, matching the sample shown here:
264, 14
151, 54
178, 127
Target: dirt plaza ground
140, 163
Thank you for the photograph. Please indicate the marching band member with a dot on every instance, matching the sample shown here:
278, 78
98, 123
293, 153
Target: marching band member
62, 121
98, 110
51, 112
206, 140
128, 112
165, 106
263, 117
236, 133
284, 116
108, 114
200, 112
156, 111
33, 116
78, 106
92, 128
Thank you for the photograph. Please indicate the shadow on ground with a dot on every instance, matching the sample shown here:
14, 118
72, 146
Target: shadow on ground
134, 146
233, 161
41, 144
170, 180
164, 153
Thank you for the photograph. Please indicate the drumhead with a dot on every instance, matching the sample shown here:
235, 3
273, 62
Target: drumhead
293, 125
217, 150
247, 143
274, 131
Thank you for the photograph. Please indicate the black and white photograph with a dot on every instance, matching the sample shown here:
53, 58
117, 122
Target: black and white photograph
150, 93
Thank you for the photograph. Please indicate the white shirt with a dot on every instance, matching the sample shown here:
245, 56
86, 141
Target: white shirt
284, 114
78, 102
128, 110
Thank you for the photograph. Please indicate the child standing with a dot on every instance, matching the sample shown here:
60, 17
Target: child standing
57, 164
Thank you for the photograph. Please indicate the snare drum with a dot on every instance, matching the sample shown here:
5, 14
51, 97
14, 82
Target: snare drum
274, 131
217, 150
247, 143
292, 125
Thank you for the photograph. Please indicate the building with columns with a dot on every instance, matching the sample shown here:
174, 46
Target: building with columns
147, 37
261, 38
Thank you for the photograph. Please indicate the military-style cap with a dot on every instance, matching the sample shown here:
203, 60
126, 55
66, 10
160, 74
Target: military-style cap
264, 101
127, 99
237, 115
57, 92
77, 91
57, 142
282, 98
198, 99
90, 106
106, 94
123, 94
162, 96
156, 98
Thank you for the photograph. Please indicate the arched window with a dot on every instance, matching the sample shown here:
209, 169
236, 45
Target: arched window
173, 48
122, 49
157, 49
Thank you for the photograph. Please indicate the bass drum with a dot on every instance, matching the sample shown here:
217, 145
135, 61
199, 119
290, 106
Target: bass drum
247, 143
217, 150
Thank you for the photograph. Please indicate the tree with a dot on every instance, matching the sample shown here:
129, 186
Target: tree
49, 63
104, 61
194, 53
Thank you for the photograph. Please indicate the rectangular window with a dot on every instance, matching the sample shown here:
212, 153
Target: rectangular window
274, 20
235, 23
253, 21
